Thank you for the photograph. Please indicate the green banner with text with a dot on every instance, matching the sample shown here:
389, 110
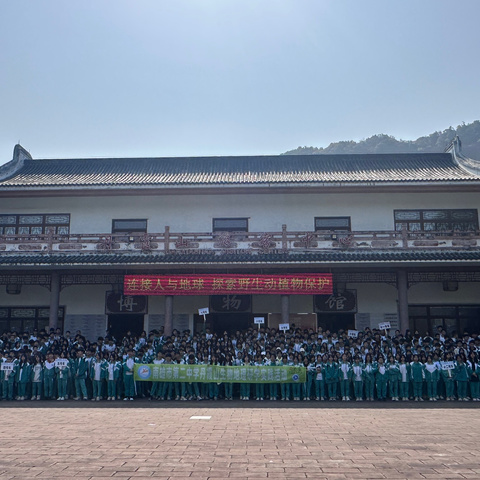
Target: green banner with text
216, 373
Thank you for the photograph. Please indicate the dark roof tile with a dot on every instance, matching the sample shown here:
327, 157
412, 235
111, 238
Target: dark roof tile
255, 170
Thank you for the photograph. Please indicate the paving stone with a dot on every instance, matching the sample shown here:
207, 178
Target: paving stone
139, 442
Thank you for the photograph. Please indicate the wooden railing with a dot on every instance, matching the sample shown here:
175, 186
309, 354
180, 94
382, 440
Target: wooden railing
230, 242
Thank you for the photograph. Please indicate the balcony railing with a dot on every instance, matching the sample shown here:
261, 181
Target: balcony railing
231, 242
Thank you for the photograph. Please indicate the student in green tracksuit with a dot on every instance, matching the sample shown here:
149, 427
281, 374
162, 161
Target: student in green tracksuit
9, 378
331, 378
474, 367
156, 386
128, 380
461, 374
272, 387
284, 387
310, 378
369, 371
405, 375
319, 379
79, 373
2, 360
48, 376
417, 371
62, 371
431, 379
166, 388
448, 377
98, 373
37, 378
357, 376
114, 368
259, 387
345, 377
22, 377
296, 386
393, 377
381, 379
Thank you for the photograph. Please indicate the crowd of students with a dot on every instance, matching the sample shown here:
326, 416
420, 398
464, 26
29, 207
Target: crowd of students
372, 366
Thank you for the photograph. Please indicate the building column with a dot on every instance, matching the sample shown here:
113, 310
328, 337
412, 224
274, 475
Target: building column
402, 298
285, 308
168, 327
54, 300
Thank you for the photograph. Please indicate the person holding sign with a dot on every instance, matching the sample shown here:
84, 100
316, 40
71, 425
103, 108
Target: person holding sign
62, 370
447, 372
9, 371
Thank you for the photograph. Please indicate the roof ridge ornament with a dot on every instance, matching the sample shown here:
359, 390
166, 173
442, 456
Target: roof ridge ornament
19, 157
468, 164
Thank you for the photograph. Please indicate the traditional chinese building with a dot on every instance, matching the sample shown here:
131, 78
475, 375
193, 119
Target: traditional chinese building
341, 241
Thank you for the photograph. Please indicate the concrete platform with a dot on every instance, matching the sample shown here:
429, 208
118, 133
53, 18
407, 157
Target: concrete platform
144, 440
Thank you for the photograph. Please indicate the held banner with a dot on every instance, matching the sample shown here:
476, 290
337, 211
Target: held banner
216, 373
291, 284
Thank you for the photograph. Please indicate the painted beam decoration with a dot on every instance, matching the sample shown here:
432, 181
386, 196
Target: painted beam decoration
216, 373
291, 284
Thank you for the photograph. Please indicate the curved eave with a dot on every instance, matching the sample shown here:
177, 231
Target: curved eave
169, 189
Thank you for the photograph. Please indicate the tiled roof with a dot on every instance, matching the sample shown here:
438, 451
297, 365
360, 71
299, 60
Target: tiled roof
217, 171
352, 257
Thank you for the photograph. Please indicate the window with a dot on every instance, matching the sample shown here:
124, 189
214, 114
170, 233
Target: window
22, 319
230, 224
436, 220
453, 318
35, 224
332, 224
129, 226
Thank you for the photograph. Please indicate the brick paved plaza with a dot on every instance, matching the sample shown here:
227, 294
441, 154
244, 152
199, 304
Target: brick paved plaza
136, 441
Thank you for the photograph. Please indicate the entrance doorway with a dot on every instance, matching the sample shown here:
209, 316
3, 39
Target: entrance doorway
336, 321
119, 325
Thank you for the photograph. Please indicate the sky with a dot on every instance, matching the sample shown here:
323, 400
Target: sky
154, 78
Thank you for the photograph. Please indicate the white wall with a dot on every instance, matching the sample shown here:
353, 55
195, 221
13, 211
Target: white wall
267, 212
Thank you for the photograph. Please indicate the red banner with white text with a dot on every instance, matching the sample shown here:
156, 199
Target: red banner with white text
218, 284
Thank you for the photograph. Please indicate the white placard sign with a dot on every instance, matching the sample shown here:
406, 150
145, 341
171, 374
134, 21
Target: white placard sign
284, 327
61, 362
7, 367
203, 311
259, 320
448, 365
384, 326
353, 333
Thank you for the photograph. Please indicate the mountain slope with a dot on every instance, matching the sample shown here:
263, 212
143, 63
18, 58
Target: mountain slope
435, 142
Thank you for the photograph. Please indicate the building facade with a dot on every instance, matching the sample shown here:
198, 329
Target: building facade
399, 235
